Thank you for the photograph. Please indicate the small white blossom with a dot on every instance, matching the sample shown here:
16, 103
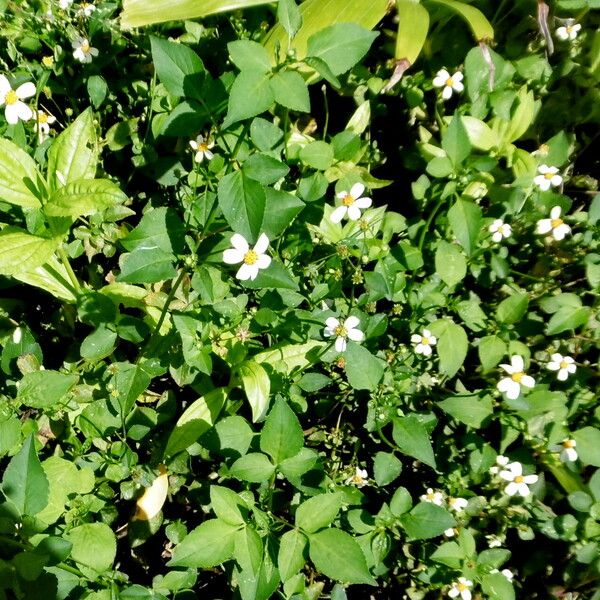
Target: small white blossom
433, 496
202, 148
82, 51
548, 177
568, 32
457, 504
15, 109
423, 342
518, 483
17, 335
451, 532
511, 386
359, 479
461, 588
501, 461
493, 541
506, 572
86, 9
352, 203
500, 230
64, 4
449, 83
565, 365
566, 449
343, 331
42, 126
554, 225
252, 259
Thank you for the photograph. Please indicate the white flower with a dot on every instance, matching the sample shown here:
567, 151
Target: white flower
435, 497
499, 230
347, 330
548, 176
554, 224
64, 4
423, 342
86, 9
511, 386
563, 364
450, 83
17, 335
352, 203
493, 541
82, 51
568, 32
566, 449
44, 120
518, 483
501, 461
461, 588
451, 532
253, 259
15, 109
202, 148
457, 504
506, 572
359, 479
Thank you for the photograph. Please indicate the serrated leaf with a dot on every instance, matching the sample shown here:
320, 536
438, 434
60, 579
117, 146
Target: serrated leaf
251, 94
291, 91
426, 520
291, 556
465, 218
19, 176
84, 198
452, 348
21, 252
257, 386
318, 512
412, 439
281, 436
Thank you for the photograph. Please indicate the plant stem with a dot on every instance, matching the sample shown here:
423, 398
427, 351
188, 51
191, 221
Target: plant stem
65, 261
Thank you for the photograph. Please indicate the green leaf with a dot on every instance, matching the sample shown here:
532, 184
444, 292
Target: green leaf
497, 587
282, 435
292, 553
159, 228
146, 265
455, 141
412, 439
426, 520
480, 26
197, 418
209, 545
512, 309
588, 445
337, 555
254, 467
341, 46
567, 318
290, 357
21, 252
288, 15
94, 546
265, 169
318, 155
291, 91
280, 210
470, 410
228, 506
465, 219
386, 468
242, 201
178, 68
84, 198
251, 94
129, 381
249, 56
413, 25
51, 277
491, 349
43, 389
449, 554
452, 348
97, 89
450, 263
248, 550
364, 371
257, 386
74, 153
24, 482
318, 512
275, 276
19, 176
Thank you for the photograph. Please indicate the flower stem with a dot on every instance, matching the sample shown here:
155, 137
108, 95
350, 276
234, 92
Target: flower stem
65, 261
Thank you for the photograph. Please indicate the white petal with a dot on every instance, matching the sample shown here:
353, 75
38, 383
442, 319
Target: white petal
522, 489
571, 454
497, 237
514, 389
512, 488
562, 34
544, 226
338, 214
432, 340
556, 180
11, 112
353, 212
246, 272
507, 475
507, 368
199, 157
426, 350
561, 231
263, 261
502, 460
529, 479
543, 169
356, 190
542, 183
517, 363
555, 212
194, 144
426, 333
262, 244
209, 155
441, 77
420, 348
465, 595
453, 592
356, 335
341, 195
340, 344
447, 92
25, 90
571, 368
458, 76
332, 323
563, 375
415, 338
4, 86
364, 202
232, 256
457, 86
351, 322
449, 532
239, 243
527, 381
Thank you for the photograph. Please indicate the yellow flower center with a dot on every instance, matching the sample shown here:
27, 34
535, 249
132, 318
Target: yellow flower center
519, 479
517, 377
341, 331
357, 479
85, 47
42, 118
462, 587
425, 341
563, 365
48, 61
568, 444
348, 200
556, 223
203, 147
569, 28
250, 257
11, 97
449, 83
549, 175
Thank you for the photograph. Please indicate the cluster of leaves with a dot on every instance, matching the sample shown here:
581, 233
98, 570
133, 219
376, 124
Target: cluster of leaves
168, 429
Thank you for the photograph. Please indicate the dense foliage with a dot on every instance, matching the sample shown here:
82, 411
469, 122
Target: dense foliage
299, 301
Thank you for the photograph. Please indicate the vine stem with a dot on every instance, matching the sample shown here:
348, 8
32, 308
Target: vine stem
65, 261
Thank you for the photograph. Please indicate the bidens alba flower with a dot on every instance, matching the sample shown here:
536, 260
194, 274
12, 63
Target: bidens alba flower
506, 572
511, 386
499, 230
554, 225
518, 483
565, 365
461, 588
82, 51
253, 259
359, 479
548, 177
457, 504
44, 120
423, 342
352, 204
64, 4
343, 331
567, 450
15, 109
450, 83
501, 461
433, 496
202, 148
568, 32
86, 9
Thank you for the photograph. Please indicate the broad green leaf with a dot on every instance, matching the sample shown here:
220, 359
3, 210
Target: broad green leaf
386, 468
413, 25
280, 210
465, 218
254, 467
43, 389
74, 153
282, 435
567, 318
491, 350
249, 56
412, 439
468, 409
266, 170
588, 445
242, 201
296, 466
94, 546
84, 198
275, 276
248, 550
449, 554
318, 512
129, 381
251, 94
512, 309
287, 358
497, 587
197, 418
455, 141
291, 91
364, 371
51, 277
480, 134
292, 553
480, 26
318, 155
21, 252
19, 176
158, 228
146, 265
522, 117
450, 263
426, 520
337, 555
452, 348
209, 545
24, 482
228, 506
288, 15
257, 386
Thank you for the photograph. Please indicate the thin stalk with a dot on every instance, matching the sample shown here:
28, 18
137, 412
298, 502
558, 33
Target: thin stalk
65, 261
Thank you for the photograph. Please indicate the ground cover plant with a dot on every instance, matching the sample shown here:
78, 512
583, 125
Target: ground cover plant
299, 300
